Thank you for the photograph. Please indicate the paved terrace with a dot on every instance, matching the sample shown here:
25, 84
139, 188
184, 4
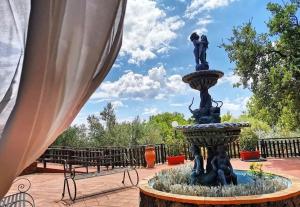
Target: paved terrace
47, 187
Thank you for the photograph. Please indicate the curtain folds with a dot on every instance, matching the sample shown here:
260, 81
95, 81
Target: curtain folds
71, 46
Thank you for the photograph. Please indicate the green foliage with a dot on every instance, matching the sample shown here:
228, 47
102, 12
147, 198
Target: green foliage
256, 170
112, 133
163, 122
269, 65
152, 134
257, 126
96, 132
74, 136
108, 115
226, 117
248, 140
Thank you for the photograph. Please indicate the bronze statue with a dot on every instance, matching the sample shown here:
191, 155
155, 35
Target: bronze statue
223, 168
206, 113
198, 169
200, 51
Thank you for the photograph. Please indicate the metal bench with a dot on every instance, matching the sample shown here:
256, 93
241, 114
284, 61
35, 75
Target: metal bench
71, 173
21, 198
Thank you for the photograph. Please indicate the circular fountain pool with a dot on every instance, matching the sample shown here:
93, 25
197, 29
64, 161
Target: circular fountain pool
287, 192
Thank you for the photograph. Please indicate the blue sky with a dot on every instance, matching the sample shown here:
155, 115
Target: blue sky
156, 53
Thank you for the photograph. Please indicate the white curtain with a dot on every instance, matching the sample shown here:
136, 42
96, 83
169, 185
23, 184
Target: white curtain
71, 45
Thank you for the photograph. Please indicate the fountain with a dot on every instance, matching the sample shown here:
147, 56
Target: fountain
208, 132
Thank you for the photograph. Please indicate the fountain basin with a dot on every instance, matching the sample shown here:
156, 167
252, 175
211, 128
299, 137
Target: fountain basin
203, 79
287, 197
206, 135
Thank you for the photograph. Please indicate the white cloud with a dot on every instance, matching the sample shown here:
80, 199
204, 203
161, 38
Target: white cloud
148, 31
197, 7
185, 104
236, 106
151, 111
126, 119
117, 104
154, 85
229, 78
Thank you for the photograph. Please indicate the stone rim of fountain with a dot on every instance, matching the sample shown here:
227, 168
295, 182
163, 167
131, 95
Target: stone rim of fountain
290, 192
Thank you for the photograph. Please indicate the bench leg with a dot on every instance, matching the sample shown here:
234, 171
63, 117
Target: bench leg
130, 178
123, 180
67, 187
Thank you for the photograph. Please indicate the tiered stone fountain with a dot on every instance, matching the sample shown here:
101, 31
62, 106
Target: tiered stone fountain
208, 132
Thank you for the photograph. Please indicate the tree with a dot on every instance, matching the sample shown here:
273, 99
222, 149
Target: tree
269, 65
74, 136
226, 117
163, 121
151, 134
96, 132
137, 131
108, 115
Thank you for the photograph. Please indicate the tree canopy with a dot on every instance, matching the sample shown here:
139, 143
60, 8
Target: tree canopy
269, 65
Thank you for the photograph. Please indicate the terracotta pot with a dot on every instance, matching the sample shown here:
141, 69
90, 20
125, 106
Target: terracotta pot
150, 156
250, 155
175, 160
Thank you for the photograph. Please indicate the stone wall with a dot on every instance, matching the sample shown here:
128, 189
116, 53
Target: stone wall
149, 201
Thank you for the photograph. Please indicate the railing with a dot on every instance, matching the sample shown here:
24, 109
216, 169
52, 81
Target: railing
279, 147
276, 147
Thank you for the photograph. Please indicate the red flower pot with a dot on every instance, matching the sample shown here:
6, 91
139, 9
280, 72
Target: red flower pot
250, 155
150, 156
175, 160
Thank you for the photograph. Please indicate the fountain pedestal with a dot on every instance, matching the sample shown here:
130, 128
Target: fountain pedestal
202, 80
208, 132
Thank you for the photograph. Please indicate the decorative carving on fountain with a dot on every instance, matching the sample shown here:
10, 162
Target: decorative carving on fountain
208, 131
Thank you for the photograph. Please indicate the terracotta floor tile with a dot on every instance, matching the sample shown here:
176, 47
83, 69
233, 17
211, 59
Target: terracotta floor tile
47, 188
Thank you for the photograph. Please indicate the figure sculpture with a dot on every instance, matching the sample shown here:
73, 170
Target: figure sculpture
206, 112
198, 169
223, 168
200, 51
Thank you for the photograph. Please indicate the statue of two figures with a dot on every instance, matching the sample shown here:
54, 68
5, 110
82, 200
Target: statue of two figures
206, 112
218, 168
200, 51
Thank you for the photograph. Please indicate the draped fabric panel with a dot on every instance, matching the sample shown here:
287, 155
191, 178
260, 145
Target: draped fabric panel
71, 46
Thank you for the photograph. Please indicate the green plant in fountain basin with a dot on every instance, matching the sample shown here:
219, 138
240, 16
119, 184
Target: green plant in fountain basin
256, 169
248, 140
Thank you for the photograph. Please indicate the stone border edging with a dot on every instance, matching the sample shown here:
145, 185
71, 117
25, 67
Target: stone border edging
292, 191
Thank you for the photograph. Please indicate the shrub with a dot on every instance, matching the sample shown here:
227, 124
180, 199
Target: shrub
248, 140
176, 181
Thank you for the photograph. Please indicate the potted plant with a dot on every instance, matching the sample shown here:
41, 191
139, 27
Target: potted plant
248, 142
174, 145
150, 156
175, 157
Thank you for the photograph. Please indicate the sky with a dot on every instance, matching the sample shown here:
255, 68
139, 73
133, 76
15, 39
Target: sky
156, 52
146, 78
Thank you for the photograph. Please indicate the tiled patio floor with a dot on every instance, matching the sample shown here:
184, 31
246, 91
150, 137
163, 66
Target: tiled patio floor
46, 188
